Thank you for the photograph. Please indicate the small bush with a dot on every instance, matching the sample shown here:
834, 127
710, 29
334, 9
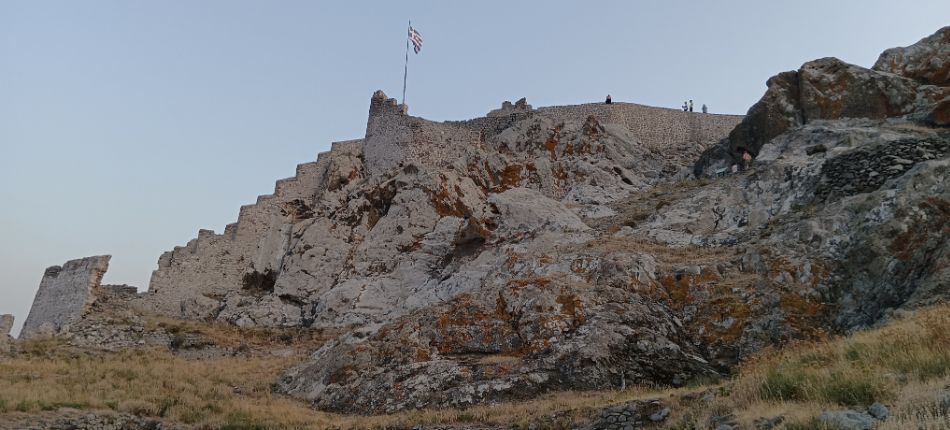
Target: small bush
782, 385
851, 390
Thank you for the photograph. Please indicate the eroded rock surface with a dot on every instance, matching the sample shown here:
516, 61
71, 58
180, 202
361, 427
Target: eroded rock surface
551, 248
907, 82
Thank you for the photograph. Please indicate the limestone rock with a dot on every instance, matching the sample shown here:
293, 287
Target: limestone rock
927, 61
565, 248
908, 81
64, 295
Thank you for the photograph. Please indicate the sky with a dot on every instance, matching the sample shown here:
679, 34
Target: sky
126, 126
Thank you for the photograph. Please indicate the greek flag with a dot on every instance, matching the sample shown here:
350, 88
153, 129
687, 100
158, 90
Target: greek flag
416, 39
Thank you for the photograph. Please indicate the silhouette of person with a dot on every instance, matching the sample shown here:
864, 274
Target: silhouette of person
608, 99
704, 108
690, 105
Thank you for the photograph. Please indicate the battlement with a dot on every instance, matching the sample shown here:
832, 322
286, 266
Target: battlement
213, 264
393, 137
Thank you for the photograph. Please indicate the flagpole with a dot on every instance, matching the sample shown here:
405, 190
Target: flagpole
405, 70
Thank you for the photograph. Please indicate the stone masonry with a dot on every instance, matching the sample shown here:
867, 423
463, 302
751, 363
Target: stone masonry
64, 295
6, 324
394, 138
249, 251
192, 280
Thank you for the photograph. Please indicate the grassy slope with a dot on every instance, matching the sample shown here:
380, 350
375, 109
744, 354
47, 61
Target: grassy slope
905, 365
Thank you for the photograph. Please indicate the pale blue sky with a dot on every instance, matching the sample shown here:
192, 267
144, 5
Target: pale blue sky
125, 126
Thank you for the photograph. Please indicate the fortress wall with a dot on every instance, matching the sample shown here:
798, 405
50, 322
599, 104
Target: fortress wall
212, 265
65, 294
652, 126
393, 137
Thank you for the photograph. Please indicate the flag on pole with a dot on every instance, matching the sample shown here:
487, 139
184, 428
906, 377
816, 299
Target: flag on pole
416, 39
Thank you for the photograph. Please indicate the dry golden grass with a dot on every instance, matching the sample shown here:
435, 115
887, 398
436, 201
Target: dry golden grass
230, 336
216, 393
905, 365
234, 393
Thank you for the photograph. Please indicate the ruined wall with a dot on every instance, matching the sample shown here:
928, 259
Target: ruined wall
64, 295
191, 279
6, 324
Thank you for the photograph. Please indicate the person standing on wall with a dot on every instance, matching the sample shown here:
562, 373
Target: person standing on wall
704, 108
608, 99
690, 105
685, 107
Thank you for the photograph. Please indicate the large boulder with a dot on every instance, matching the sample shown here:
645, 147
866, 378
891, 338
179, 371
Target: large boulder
906, 82
927, 61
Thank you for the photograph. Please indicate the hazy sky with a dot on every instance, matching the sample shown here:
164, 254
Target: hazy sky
125, 126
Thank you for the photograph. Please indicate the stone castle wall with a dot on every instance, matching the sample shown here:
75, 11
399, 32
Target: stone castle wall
190, 279
393, 137
65, 293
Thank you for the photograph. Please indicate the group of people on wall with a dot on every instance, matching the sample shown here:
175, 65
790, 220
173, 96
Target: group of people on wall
687, 106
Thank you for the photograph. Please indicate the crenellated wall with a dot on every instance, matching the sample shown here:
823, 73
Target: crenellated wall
192, 280
393, 137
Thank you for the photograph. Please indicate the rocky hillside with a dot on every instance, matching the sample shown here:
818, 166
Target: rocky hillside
842, 219
579, 248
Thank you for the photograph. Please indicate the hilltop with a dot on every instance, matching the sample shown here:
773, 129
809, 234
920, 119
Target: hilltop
556, 249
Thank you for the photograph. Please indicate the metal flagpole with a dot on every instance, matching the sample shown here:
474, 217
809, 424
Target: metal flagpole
405, 70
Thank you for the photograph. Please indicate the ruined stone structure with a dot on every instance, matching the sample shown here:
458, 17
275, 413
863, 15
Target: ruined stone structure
247, 254
192, 280
6, 324
64, 295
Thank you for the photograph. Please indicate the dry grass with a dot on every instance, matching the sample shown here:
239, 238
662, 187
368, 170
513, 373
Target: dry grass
217, 393
905, 365
236, 393
230, 336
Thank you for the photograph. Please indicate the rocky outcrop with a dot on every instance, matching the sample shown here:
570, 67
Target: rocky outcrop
65, 293
566, 248
906, 82
927, 61
6, 324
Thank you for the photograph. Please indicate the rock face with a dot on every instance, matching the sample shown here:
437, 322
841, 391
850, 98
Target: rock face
6, 324
927, 61
65, 293
549, 248
905, 82
380, 226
